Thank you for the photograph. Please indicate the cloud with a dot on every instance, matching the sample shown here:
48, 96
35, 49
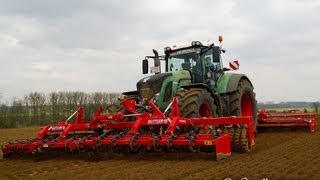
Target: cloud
40, 67
98, 45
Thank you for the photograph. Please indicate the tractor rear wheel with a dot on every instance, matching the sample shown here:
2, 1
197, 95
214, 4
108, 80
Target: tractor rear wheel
196, 102
242, 103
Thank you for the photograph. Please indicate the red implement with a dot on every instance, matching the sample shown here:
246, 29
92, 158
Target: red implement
266, 119
147, 131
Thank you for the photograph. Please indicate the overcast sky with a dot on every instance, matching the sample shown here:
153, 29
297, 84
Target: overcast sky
94, 46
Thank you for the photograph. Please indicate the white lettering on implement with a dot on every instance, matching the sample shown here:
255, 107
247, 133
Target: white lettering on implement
157, 121
56, 128
183, 121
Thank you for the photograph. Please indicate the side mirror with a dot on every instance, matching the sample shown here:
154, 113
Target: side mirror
216, 54
145, 66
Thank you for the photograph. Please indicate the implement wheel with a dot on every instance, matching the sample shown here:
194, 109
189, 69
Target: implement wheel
243, 103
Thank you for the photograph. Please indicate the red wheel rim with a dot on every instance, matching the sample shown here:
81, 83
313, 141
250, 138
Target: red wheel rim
246, 105
205, 110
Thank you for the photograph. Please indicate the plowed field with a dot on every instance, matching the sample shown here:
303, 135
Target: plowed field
278, 154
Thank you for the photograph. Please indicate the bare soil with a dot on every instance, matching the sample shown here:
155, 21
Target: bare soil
282, 153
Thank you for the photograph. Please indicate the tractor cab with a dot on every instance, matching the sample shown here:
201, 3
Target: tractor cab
203, 62
194, 65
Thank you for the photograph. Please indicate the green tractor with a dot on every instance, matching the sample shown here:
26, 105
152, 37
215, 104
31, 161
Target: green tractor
196, 76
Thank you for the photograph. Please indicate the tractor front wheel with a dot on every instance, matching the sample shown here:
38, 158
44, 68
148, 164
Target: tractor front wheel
196, 102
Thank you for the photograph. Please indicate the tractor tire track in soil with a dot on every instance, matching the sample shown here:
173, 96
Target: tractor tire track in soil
280, 153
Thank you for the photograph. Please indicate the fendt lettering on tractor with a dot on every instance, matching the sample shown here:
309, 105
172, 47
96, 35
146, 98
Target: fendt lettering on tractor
195, 105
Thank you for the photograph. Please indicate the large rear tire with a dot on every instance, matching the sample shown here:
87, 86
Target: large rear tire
196, 102
242, 103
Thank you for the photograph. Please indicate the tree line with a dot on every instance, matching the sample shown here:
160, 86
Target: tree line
36, 109
46, 108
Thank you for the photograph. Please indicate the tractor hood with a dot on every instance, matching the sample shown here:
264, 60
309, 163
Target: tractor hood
151, 85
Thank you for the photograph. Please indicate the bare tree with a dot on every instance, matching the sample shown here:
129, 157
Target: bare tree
17, 112
38, 108
37, 103
4, 117
54, 107
316, 106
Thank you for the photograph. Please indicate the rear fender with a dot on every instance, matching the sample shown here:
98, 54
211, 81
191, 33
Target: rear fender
228, 82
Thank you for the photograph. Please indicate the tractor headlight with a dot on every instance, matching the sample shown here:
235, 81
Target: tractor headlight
166, 49
196, 43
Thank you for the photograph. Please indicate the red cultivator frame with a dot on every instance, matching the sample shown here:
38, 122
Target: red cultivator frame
152, 131
266, 119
